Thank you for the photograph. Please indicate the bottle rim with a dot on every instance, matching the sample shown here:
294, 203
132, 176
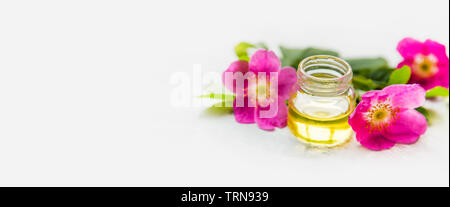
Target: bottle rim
301, 67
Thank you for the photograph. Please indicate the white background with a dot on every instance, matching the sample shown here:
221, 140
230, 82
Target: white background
85, 93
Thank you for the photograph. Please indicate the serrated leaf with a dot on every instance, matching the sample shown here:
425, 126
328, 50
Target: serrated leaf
437, 91
400, 76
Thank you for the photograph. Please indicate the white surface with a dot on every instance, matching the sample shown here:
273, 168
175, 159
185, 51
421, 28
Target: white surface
84, 93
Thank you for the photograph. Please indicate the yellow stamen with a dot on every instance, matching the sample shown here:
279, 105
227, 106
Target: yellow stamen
425, 66
380, 116
262, 92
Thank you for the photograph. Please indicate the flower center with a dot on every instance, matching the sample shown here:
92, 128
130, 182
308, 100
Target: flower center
262, 92
380, 116
425, 66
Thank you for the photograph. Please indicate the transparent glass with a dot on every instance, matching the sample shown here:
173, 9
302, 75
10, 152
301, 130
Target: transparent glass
321, 102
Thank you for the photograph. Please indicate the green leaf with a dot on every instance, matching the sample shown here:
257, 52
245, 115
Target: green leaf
222, 108
400, 76
316, 51
381, 75
360, 64
241, 50
363, 83
437, 91
428, 114
244, 58
292, 56
218, 96
225, 104
358, 94
375, 69
424, 112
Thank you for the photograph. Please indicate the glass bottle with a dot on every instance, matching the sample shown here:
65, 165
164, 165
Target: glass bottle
321, 102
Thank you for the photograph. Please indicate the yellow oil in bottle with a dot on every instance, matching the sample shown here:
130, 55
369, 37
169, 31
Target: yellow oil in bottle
321, 121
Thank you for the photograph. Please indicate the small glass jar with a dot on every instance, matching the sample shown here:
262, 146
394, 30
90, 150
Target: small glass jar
321, 102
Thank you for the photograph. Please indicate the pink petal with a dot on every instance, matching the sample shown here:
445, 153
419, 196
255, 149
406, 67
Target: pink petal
371, 95
264, 61
279, 120
370, 140
406, 95
425, 83
407, 128
237, 66
377, 142
409, 47
441, 78
358, 123
286, 79
408, 62
436, 49
374, 97
244, 114
430, 83
443, 74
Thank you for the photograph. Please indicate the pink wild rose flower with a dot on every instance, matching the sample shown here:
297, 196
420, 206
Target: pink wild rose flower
385, 117
428, 61
262, 88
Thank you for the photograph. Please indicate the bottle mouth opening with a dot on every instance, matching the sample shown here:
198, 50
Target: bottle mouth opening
324, 75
